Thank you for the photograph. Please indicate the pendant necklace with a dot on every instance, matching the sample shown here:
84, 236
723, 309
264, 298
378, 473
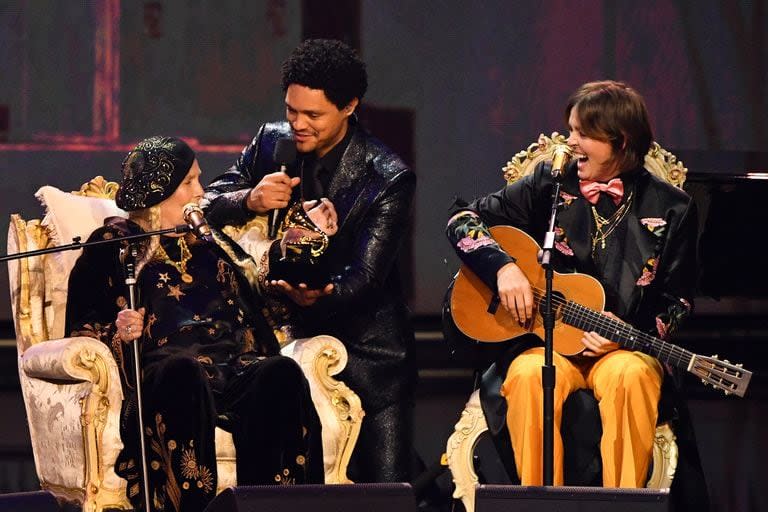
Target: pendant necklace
181, 265
604, 227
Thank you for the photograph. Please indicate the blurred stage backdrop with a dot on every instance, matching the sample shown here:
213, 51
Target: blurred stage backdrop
457, 88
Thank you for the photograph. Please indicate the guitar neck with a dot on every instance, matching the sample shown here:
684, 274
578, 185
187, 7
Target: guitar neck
625, 335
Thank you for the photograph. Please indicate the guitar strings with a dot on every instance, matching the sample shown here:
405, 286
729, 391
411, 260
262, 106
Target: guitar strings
666, 350
620, 328
722, 378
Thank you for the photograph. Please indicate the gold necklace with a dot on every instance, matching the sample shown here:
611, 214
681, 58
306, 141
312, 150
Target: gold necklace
180, 265
604, 227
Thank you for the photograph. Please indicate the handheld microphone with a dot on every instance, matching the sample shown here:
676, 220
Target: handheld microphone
562, 155
193, 215
285, 153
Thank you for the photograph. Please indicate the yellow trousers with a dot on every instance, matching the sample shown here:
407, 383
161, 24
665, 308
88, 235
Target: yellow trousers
627, 386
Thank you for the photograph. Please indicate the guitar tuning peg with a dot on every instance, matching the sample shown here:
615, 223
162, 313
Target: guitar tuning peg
740, 365
727, 361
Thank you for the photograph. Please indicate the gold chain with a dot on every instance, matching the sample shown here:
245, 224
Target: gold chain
180, 265
604, 227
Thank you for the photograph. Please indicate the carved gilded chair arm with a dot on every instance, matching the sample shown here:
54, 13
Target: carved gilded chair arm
338, 406
79, 444
70, 360
306, 351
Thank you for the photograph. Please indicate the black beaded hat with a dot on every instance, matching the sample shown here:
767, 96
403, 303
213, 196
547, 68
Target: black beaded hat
152, 171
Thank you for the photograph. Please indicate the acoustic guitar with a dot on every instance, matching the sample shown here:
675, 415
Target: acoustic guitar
577, 301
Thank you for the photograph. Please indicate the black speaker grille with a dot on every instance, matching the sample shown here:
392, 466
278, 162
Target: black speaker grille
497, 498
316, 498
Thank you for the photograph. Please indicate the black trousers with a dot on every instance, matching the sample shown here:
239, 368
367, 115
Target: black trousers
384, 451
264, 403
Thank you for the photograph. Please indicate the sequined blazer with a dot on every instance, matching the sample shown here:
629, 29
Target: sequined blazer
372, 191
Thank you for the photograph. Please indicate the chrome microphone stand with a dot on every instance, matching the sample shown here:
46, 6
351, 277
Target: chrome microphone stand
128, 257
548, 371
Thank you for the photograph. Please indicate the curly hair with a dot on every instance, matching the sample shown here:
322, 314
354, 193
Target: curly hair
328, 65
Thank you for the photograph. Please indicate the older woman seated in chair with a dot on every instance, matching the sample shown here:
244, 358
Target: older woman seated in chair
209, 356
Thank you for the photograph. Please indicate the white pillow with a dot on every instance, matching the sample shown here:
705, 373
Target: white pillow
68, 216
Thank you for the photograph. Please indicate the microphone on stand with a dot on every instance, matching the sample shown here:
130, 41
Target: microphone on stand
285, 153
182, 228
193, 216
562, 155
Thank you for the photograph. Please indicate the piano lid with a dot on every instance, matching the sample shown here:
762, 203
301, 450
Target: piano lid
731, 192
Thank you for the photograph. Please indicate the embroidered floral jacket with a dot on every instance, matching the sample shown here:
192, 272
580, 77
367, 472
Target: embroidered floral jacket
657, 282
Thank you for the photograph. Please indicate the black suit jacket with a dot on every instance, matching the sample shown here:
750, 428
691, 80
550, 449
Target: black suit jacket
372, 191
661, 230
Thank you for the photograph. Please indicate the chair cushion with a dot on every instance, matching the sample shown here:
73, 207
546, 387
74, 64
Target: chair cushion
67, 216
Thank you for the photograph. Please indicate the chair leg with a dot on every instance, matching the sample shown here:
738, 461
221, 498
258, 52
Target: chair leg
664, 458
460, 450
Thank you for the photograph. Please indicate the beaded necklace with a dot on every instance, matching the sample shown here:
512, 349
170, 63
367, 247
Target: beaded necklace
180, 265
604, 227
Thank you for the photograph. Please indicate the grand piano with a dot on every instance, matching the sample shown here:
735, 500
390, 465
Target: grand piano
731, 315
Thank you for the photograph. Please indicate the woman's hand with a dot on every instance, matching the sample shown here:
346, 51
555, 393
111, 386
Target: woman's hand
129, 324
323, 214
595, 344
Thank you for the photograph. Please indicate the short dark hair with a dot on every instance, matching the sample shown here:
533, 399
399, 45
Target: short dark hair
328, 65
614, 112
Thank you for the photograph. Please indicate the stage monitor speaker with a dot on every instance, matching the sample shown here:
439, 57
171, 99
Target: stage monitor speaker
38, 501
498, 498
397, 497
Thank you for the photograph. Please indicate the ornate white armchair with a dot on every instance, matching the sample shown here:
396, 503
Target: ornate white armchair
71, 386
472, 425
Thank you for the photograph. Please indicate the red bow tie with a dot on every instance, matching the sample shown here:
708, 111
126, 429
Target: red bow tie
591, 190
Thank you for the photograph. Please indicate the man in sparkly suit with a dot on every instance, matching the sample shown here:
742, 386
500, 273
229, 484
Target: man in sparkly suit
369, 191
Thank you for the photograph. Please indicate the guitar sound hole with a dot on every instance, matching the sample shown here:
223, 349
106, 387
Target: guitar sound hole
558, 301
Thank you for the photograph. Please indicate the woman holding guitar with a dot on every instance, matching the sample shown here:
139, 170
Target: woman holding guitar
632, 232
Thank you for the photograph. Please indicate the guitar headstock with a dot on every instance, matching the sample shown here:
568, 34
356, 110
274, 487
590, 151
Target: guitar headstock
732, 379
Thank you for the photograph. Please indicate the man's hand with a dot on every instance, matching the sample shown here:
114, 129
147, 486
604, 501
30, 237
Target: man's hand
323, 214
302, 295
595, 344
515, 292
273, 191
